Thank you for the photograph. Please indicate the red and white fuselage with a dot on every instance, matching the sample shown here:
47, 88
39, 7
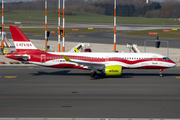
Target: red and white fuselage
126, 60
26, 51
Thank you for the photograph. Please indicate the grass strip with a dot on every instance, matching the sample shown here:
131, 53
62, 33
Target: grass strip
83, 17
67, 30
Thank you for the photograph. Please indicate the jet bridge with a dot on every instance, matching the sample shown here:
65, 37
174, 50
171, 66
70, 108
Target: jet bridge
7, 43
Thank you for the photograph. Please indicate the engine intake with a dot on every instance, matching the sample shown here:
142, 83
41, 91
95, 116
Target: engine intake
113, 70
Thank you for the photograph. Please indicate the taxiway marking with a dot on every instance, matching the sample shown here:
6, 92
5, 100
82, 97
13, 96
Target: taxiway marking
81, 35
10, 77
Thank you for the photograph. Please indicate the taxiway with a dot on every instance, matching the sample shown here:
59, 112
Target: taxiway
33, 91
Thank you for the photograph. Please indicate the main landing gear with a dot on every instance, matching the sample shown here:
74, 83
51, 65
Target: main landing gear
160, 72
93, 73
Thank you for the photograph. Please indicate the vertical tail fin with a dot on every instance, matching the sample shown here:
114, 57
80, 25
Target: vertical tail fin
21, 42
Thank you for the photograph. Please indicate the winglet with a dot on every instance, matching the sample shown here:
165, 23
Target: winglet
76, 50
66, 58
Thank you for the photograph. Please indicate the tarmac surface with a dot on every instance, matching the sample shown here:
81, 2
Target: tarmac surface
97, 25
31, 91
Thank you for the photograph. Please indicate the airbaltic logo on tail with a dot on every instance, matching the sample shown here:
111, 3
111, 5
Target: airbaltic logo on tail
24, 45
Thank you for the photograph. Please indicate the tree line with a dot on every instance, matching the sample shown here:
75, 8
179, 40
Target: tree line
127, 8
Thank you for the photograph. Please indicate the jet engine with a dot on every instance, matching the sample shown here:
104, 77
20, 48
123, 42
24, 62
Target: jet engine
113, 70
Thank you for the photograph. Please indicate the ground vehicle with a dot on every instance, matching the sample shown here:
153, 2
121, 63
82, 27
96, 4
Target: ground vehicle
87, 50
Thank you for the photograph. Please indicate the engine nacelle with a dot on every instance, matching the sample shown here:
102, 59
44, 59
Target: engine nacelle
113, 70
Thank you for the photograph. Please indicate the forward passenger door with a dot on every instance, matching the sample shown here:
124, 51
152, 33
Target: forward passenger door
154, 60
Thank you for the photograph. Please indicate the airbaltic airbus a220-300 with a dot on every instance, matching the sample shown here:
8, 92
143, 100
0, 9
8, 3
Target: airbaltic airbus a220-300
110, 63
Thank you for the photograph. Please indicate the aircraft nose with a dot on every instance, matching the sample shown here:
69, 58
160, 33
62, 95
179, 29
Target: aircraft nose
174, 64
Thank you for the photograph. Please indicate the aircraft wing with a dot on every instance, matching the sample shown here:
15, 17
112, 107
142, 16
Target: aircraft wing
84, 62
89, 63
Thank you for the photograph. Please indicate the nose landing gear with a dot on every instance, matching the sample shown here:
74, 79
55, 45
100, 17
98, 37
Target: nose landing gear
160, 72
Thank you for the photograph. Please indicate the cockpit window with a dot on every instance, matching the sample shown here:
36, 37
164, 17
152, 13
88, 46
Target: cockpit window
166, 58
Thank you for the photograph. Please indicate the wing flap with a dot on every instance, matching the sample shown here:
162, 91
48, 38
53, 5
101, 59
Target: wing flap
89, 63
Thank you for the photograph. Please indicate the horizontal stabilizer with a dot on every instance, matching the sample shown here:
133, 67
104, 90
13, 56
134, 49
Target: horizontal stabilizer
19, 56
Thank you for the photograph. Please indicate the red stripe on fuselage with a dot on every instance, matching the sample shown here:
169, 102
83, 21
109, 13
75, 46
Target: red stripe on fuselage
36, 57
90, 59
62, 66
148, 67
81, 67
29, 51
